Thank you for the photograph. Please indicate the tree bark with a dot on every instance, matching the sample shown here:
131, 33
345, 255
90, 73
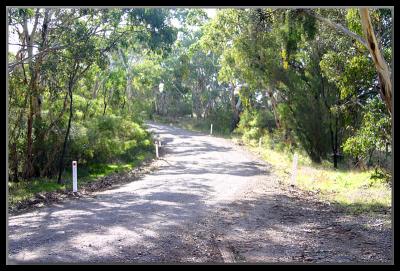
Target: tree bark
29, 37
28, 168
334, 140
39, 133
14, 161
235, 111
336, 147
274, 108
196, 99
336, 26
372, 45
70, 87
381, 65
34, 95
61, 165
105, 108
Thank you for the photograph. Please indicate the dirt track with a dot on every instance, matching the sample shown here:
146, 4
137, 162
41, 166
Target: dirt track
208, 201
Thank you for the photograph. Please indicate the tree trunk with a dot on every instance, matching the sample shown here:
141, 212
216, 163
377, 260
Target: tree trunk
34, 97
333, 140
372, 45
14, 161
381, 65
61, 165
70, 87
336, 148
72, 80
33, 109
105, 108
196, 103
28, 169
315, 157
104, 100
274, 108
86, 110
235, 111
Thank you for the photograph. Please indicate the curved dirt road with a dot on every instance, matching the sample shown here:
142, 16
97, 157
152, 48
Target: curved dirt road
208, 201
145, 220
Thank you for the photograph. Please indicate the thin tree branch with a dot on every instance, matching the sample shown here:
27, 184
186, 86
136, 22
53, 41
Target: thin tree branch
336, 26
35, 24
12, 65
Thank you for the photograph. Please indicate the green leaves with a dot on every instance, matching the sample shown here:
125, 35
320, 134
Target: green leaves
374, 133
312, 74
28, 12
112, 137
354, 21
350, 75
196, 17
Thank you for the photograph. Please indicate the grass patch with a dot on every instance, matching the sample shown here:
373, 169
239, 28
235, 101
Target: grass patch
24, 190
353, 190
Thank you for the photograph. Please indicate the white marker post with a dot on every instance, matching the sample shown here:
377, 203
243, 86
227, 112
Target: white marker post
211, 130
294, 169
157, 148
74, 177
259, 145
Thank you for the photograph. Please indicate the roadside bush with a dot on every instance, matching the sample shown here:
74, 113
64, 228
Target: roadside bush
79, 148
373, 137
221, 118
108, 139
254, 124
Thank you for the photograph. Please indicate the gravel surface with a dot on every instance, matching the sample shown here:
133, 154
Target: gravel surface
208, 201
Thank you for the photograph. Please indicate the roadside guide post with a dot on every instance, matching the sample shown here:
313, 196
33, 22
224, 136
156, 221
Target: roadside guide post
157, 148
294, 172
74, 177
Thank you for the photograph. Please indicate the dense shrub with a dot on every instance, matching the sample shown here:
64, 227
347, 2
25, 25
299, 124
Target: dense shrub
107, 139
220, 117
254, 124
374, 135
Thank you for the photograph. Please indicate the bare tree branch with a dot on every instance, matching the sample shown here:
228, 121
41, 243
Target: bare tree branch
11, 66
337, 27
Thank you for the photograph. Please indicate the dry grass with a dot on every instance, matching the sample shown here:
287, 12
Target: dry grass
354, 190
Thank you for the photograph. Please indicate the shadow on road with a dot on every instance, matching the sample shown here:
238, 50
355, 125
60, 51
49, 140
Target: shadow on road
165, 220
287, 228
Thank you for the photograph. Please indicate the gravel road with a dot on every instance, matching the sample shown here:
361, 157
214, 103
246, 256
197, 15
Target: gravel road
208, 201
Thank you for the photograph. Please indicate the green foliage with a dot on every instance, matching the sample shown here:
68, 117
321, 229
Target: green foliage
253, 124
350, 75
109, 68
110, 138
354, 21
374, 133
220, 117
302, 85
380, 176
196, 17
